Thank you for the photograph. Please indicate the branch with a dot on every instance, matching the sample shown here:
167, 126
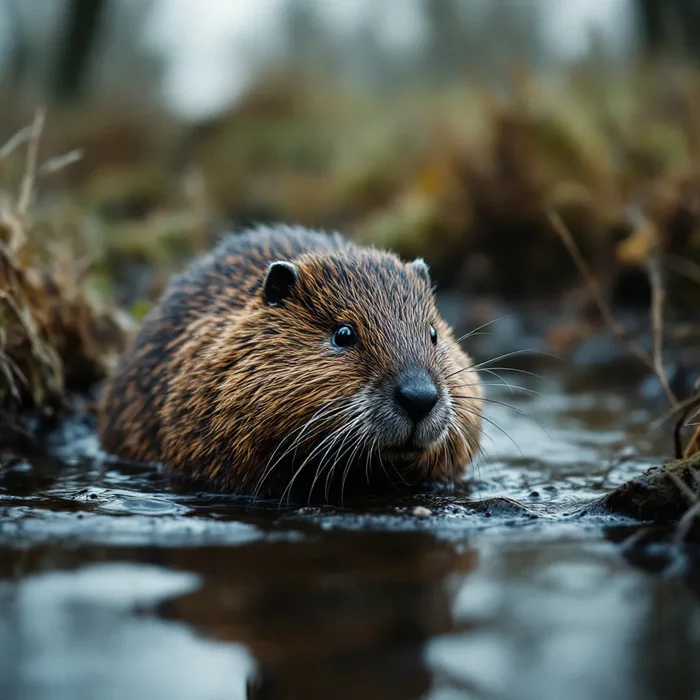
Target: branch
653, 362
27, 189
656, 312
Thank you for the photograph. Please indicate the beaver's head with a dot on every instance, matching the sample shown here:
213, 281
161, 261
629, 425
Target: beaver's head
351, 376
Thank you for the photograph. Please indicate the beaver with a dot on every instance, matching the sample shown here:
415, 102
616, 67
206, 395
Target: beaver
288, 362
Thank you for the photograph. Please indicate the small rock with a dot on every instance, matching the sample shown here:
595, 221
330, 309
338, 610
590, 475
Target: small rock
421, 512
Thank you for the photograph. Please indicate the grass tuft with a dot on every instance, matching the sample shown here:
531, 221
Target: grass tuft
56, 338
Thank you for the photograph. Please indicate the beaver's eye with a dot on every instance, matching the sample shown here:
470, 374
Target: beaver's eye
344, 337
433, 335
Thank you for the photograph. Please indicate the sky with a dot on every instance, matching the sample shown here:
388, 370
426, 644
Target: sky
206, 41
207, 44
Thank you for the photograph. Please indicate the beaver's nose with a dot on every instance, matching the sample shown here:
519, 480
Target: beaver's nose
416, 394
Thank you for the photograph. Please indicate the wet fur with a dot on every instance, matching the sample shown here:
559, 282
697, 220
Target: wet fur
222, 388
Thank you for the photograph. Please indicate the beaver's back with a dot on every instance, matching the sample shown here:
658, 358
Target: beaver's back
225, 278
217, 285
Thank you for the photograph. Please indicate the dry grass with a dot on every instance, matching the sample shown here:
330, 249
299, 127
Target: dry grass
54, 337
461, 177
458, 176
693, 445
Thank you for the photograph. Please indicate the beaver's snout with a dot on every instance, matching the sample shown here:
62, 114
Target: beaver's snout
409, 411
416, 394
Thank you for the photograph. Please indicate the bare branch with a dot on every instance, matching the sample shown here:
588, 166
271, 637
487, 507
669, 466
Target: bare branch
617, 330
54, 165
691, 496
27, 188
689, 407
656, 312
15, 141
655, 361
693, 446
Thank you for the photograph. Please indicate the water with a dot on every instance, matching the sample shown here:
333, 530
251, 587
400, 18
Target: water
116, 583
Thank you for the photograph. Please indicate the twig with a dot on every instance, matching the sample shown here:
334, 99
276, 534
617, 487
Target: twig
676, 410
691, 496
686, 523
682, 423
653, 362
687, 268
27, 188
693, 445
15, 141
656, 312
54, 165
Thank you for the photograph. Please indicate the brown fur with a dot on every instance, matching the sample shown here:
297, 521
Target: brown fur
218, 386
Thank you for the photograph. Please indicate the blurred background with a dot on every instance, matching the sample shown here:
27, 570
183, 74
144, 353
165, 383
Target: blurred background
133, 133
449, 129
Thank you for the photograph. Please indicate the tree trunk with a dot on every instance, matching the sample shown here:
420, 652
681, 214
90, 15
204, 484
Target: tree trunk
80, 32
670, 27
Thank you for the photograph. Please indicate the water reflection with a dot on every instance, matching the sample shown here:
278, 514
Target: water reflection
75, 634
544, 620
114, 583
345, 616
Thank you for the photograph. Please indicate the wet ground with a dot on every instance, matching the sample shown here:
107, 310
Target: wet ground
115, 583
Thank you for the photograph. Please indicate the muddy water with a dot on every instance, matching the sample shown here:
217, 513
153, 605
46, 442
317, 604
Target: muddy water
115, 583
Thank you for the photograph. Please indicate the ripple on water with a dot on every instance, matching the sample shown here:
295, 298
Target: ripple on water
114, 578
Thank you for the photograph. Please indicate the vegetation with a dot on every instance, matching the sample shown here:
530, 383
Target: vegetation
455, 175
579, 192
55, 339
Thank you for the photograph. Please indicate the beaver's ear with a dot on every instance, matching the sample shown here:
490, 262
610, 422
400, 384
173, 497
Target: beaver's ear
279, 281
420, 267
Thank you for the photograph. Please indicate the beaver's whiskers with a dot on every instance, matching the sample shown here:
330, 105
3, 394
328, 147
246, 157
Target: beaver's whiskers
321, 416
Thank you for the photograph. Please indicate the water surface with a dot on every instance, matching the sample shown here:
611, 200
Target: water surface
116, 583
